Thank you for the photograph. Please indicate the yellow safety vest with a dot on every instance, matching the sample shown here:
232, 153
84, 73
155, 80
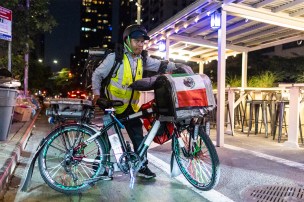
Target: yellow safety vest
118, 88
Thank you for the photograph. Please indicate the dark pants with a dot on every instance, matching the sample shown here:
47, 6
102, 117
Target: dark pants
134, 129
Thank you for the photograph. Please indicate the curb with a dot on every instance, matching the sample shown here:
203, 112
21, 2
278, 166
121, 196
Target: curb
10, 164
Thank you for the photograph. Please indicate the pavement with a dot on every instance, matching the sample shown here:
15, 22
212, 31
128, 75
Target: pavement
240, 151
10, 150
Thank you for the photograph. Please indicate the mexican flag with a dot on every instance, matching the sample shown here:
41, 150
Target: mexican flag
190, 91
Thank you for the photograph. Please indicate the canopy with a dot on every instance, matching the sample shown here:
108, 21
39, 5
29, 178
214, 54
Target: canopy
245, 25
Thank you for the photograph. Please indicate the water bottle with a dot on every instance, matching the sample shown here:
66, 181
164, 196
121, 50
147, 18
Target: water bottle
106, 121
116, 146
114, 140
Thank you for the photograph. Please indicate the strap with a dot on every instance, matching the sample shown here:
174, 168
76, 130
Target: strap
117, 63
163, 66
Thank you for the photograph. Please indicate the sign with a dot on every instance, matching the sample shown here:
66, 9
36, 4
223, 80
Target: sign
5, 24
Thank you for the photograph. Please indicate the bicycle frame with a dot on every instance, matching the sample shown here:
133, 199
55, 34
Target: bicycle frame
117, 124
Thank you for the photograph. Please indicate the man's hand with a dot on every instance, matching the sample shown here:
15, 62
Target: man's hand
96, 97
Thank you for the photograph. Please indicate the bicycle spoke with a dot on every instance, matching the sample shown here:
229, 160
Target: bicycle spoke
54, 170
197, 159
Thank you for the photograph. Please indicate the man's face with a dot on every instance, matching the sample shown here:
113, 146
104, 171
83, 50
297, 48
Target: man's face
137, 45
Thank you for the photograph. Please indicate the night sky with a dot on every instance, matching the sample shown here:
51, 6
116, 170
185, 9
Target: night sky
61, 42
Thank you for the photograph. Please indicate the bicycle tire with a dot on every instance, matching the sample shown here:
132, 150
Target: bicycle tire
57, 167
201, 168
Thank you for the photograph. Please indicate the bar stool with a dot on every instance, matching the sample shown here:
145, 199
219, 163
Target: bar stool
238, 114
212, 117
300, 129
254, 107
280, 118
300, 124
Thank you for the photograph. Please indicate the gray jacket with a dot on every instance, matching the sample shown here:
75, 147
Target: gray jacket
104, 68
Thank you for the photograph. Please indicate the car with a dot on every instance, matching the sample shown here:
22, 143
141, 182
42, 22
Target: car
77, 94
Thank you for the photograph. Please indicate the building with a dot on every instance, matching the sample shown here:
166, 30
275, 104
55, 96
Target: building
99, 28
154, 12
288, 50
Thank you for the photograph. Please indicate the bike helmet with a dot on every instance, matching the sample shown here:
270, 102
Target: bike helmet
135, 31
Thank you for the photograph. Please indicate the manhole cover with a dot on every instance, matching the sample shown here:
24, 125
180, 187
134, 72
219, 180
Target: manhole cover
274, 193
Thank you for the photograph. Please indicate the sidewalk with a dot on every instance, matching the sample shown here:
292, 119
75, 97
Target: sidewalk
11, 149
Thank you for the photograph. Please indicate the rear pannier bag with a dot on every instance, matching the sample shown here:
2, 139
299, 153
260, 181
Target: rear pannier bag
183, 96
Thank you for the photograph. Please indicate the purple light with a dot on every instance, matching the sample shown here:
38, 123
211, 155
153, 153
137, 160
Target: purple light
162, 46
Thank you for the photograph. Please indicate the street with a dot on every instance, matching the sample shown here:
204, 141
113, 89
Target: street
247, 164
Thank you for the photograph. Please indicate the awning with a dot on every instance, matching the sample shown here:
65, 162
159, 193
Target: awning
251, 25
246, 25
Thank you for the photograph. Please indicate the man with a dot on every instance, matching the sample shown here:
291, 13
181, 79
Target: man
130, 70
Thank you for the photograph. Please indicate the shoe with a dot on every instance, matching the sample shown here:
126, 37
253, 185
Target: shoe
105, 176
146, 173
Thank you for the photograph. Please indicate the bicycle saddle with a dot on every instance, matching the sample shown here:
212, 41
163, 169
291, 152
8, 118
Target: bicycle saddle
105, 103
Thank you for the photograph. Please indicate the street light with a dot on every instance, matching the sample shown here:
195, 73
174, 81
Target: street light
40, 60
55, 61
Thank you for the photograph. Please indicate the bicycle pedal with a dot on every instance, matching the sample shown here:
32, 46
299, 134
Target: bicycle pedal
106, 178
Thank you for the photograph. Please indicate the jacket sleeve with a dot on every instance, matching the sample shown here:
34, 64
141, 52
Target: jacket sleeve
154, 64
102, 72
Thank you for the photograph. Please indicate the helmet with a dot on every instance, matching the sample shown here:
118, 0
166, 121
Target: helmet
135, 31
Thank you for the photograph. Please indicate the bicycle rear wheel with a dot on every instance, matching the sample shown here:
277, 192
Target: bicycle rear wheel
196, 157
66, 168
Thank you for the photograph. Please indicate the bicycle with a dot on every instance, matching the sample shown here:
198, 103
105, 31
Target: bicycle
73, 156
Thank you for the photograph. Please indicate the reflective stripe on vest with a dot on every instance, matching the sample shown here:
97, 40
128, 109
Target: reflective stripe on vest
118, 88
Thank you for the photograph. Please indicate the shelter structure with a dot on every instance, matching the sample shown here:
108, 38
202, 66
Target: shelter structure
215, 29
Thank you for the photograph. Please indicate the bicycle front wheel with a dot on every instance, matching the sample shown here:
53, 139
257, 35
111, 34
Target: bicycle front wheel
196, 157
65, 165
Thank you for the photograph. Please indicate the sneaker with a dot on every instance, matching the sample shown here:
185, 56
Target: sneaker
105, 176
146, 173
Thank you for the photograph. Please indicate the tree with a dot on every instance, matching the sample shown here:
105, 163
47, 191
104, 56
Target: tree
63, 81
28, 24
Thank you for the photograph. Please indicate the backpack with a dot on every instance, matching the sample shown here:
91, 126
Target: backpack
95, 58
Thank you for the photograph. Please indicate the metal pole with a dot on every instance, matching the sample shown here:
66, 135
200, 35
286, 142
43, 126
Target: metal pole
138, 11
221, 73
9, 57
26, 55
